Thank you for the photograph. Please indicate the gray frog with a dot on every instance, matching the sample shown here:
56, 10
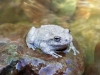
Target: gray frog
50, 39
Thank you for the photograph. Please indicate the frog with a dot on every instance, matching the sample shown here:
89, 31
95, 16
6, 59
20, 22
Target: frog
51, 39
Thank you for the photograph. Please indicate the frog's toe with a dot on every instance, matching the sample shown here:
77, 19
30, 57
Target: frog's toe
30, 46
76, 51
33, 48
59, 55
56, 55
53, 54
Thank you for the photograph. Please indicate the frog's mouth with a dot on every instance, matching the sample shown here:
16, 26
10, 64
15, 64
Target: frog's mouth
62, 48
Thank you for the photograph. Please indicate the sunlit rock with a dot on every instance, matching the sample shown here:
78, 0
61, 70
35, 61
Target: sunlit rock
29, 62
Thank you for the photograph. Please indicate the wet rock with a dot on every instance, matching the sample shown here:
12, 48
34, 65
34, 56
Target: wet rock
27, 70
8, 70
13, 10
97, 53
94, 68
50, 69
40, 63
36, 62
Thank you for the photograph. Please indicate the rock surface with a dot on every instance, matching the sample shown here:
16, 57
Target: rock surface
94, 68
11, 11
27, 61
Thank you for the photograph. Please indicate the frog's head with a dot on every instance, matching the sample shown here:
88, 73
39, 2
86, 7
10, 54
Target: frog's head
51, 36
60, 40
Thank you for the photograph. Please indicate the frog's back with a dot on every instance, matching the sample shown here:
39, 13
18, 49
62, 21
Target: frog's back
51, 28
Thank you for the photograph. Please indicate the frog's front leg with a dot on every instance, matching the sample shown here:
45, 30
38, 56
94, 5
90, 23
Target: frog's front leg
71, 47
54, 54
47, 50
31, 46
51, 52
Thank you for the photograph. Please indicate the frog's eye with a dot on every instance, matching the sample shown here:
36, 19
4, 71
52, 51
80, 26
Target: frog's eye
57, 38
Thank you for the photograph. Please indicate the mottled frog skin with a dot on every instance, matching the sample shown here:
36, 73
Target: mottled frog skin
50, 39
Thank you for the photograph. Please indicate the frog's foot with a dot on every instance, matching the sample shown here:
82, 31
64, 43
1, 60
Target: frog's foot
54, 54
30, 46
73, 48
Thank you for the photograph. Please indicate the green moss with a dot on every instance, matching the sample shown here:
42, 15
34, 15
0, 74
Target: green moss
64, 7
12, 53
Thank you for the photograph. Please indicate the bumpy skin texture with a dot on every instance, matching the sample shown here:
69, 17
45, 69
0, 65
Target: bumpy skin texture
50, 38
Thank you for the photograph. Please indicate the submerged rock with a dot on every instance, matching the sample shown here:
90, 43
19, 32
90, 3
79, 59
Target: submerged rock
50, 69
11, 9
94, 68
97, 53
58, 9
30, 62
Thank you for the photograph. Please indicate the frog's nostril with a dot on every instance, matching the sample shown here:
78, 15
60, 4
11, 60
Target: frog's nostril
57, 38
